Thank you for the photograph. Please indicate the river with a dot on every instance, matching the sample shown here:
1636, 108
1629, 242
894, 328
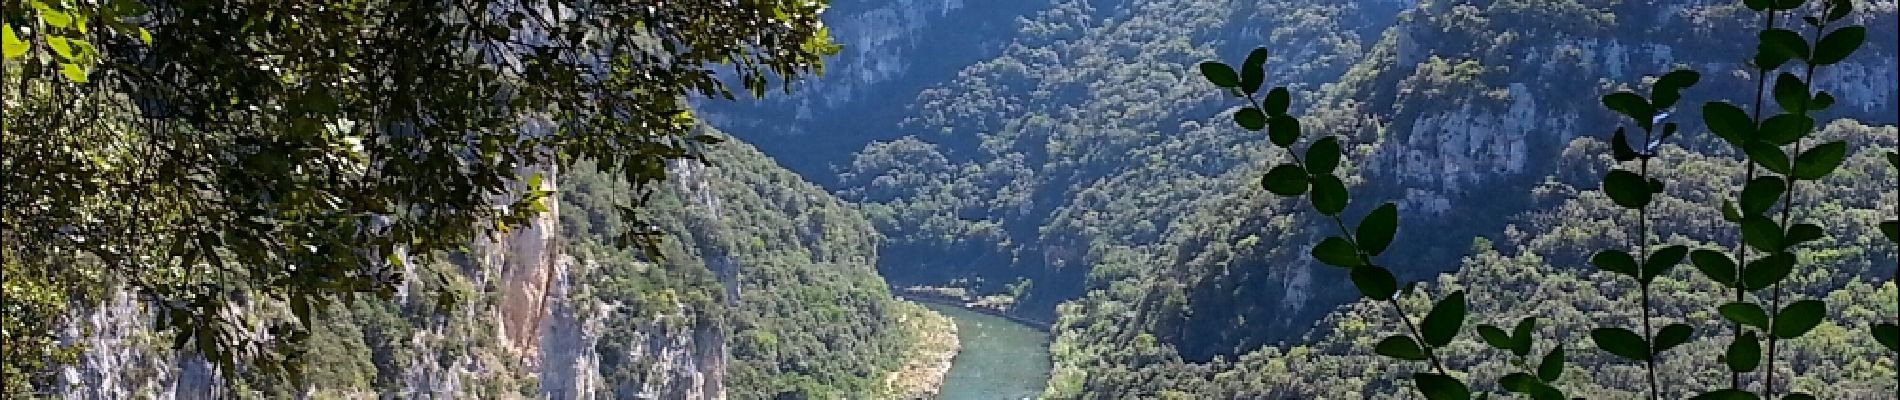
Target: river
1000, 359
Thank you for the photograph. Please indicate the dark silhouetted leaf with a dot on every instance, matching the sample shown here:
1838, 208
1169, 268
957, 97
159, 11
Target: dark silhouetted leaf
1285, 180
1778, 46
1791, 93
1336, 251
1797, 319
1768, 156
1620, 147
1283, 130
1521, 339
1441, 387
1375, 282
1220, 74
1822, 100
1442, 324
1802, 233
1761, 194
1745, 313
1401, 347
1277, 102
1761, 233
1617, 261
1671, 336
1627, 189
1837, 9
1888, 335
1621, 342
1837, 45
1728, 122
1744, 354
1253, 72
1323, 156
1786, 128
1892, 230
1329, 195
1663, 260
1376, 231
1630, 105
1552, 367
1764, 272
1715, 265
1251, 118
1820, 161
1496, 337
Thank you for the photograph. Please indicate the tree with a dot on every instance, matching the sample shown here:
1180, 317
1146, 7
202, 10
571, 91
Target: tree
229, 158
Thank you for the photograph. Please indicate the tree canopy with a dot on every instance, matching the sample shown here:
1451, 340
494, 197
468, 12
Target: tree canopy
228, 158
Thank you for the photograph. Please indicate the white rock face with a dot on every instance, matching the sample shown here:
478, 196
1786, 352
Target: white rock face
1867, 86
1446, 154
877, 42
121, 357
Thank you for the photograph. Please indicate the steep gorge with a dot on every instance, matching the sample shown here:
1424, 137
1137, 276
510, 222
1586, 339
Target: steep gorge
552, 309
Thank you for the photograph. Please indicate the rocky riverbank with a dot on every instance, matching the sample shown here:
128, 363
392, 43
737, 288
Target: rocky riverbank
934, 345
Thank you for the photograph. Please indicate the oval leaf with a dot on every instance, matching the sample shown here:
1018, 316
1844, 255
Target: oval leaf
1496, 337
1220, 74
1728, 122
1277, 101
1768, 156
1375, 282
1671, 336
1617, 261
1376, 231
1627, 189
1329, 195
1715, 265
1283, 130
1251, 119
1336, 251
1522, 338
1820, 161
1441, 387
1761, 194
1552, 367
1285, 180
1744, 354
1799, 318
1401, 347
1888, 335
1745, 313
1767, 271
1663, 260
1446, 319
1837, 45
1323, 156
1621, 342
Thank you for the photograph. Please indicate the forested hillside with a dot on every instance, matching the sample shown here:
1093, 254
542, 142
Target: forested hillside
1087, 162
766, 288
558, 199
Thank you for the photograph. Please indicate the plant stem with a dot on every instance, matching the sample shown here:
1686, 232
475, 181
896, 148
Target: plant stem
1642, 262
1430, 352
1787, 209
1741, 248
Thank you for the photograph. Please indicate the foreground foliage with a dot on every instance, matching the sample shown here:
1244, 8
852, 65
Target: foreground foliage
240, 164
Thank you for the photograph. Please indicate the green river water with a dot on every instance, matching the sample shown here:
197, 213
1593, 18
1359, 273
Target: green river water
1000, 359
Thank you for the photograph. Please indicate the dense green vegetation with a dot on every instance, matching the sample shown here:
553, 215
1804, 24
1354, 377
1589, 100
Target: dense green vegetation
1089, 158
213, 155
811, 318
1077, 168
